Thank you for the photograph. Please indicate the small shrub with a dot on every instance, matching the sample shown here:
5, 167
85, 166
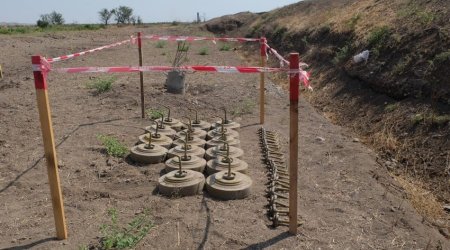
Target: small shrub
442, 57
417, 118
101, 85
342, 54
391, 107
184, 47
203, 51
116, 236
378, 36
153, 113
353, 21
440, 119
400, 67
113, 146
161, 44
175, 23
225, 47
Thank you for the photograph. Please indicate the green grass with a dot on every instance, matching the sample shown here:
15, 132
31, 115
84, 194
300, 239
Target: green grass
10, 30
154, 113
113, 146
378, 36
401, 66
415, 11
341, 55
203, 51
417, 118
391, 107
351, 24
225, 47
161, 44
117, 236
440, 119
442, 57
101, 85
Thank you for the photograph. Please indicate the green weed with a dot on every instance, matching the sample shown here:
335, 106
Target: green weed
351, 24
154, 113
161, 44
203, 51
225, 47
400, 67
116, 236
391, 107
442, 57
417, 118
342, 55
440, 119
101, 85
113, 146
378, 36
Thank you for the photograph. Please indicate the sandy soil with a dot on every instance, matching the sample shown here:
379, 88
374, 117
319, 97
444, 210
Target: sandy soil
347, 200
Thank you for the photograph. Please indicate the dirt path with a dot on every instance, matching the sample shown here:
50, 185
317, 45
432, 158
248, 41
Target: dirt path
346, 200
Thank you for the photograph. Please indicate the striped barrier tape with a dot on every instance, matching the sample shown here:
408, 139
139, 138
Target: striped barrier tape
304, 75
124, 69
61, 58
198, 38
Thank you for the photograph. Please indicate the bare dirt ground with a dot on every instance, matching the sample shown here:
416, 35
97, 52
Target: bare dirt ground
347, 200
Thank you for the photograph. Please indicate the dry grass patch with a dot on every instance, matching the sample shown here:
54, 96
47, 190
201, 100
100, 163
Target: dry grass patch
422, 200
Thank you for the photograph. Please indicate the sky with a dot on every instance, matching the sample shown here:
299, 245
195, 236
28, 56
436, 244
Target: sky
86, 11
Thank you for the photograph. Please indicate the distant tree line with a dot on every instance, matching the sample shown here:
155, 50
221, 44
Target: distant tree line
122, 15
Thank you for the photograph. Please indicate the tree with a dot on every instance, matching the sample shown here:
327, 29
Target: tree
139, 20
53, 18
123, 14
105, 15
56, 18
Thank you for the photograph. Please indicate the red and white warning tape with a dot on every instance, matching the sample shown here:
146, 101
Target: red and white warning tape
304, 75
61, 58
122, 69
197, 38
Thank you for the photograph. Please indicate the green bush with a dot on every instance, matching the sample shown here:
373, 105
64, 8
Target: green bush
203, 51
342, 54
160, 44
225, 47
378, 36
101, 85
154, 113
116, 236
113, 146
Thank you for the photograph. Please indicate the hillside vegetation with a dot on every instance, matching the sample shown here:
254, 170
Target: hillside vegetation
398, 101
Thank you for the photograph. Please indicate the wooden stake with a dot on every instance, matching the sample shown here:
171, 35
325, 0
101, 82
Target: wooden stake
1, 72
45, 118
261, 81
141, 75
294, 80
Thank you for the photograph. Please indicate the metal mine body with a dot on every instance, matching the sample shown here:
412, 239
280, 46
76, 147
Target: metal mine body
219, 141
144, 153
191, 150
192, 141
221, 164
223, 186
195, 132
218, 131
192, 163
187, 183
219, 150
160, 139
174, 124
165, 130
206, 126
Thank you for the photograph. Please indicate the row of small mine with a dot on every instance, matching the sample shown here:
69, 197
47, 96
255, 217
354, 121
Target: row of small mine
191, 149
